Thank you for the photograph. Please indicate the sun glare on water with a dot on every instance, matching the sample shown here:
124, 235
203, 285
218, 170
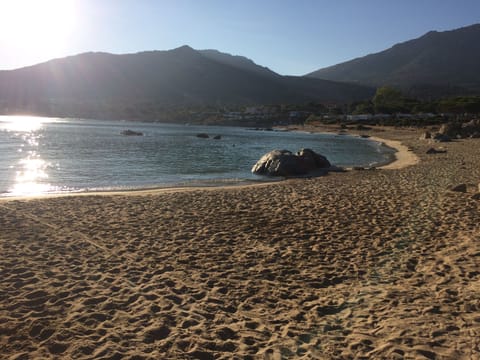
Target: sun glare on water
22, 123
31, 171
37, 24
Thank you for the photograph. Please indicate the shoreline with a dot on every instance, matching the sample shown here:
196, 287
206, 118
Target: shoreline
402, 157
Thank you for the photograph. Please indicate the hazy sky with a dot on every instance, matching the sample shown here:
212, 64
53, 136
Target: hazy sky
292, 37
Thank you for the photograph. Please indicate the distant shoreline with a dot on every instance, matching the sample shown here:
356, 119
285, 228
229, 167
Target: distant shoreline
403, 157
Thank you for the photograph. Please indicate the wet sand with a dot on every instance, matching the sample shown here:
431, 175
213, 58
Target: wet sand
356, 265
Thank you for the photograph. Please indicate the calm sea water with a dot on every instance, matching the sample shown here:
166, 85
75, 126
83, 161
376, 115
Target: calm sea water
45, 155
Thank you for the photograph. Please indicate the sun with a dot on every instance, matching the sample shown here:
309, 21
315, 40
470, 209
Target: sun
37, 25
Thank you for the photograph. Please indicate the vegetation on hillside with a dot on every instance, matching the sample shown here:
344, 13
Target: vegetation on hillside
388, 100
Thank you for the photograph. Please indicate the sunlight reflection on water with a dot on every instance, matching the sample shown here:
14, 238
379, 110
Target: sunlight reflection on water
31, 171
23, 123
29, 179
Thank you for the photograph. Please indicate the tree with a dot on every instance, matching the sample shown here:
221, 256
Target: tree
460, 104
364, 107
389, 100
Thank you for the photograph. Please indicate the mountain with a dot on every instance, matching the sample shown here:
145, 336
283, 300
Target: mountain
107, 85
237, 61
438, 63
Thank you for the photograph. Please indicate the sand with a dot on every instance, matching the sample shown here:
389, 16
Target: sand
381, 264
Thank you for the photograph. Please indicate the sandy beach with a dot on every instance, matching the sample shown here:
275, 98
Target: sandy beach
365, 264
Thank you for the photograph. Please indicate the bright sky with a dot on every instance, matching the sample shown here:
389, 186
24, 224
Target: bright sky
291, 37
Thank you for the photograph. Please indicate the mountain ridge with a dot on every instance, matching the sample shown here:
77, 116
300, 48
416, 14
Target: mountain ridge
446, 59
183, 77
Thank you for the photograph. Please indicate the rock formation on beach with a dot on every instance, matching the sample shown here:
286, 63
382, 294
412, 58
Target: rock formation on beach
454, 130
459, 130
285, 163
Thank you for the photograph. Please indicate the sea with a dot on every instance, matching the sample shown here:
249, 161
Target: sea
63, 155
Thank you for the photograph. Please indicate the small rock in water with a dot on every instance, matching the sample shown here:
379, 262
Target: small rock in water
203, 136
217, 137
129, 132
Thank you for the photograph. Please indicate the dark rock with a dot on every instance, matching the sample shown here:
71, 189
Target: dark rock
129, 132
471, 128
362, 127
460, 131
277, 163
217, 137
311, 157
476, 196
365, 136
285, 163
358, 168
459, 188
442, 138
450, 129
435, 151
203, 136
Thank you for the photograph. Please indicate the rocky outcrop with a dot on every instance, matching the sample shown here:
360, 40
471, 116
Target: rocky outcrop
454, 130
471, 129
450, 129
457, 130
286, 163
442, 138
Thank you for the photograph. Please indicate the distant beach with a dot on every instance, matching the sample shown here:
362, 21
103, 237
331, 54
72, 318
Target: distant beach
362, 264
